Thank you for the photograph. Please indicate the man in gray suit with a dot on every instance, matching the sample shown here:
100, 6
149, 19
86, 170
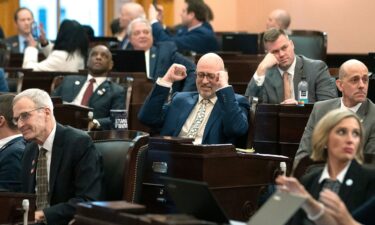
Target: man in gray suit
271, 86
353, 83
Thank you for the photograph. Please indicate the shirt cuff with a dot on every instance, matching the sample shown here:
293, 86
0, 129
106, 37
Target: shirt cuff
259, 80
154, 21
166, 84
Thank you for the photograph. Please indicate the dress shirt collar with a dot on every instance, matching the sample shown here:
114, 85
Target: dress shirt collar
195, 27
98, 80
4, 141
353, 109
212, 100
48, 144
340, 177
290, 70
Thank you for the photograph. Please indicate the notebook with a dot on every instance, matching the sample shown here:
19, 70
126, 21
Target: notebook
128, 61
204, 206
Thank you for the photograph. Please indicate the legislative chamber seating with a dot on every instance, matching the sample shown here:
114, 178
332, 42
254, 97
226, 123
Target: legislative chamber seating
121, 151
236, 179
11, 210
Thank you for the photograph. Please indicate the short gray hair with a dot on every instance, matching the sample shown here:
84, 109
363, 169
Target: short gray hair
38, 96
129, 31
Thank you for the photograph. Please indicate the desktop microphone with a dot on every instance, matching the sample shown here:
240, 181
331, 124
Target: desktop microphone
283, 168
25, 207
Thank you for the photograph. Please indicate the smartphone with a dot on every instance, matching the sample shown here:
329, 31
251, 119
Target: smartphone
35, 30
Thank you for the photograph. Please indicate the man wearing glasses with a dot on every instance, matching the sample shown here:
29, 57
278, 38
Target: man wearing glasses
213, 115
278, 75
60, 164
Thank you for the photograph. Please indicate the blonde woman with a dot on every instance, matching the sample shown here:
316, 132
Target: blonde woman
337, 139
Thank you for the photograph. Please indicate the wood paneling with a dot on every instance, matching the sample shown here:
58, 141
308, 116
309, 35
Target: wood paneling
7, 8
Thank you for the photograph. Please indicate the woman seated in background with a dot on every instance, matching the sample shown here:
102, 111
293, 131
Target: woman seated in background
68, 53
338, 140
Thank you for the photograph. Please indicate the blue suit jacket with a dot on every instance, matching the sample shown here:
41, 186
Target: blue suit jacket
200, 40
162, 56
110, 96
3, 82
75, 173
228, 122
10, 164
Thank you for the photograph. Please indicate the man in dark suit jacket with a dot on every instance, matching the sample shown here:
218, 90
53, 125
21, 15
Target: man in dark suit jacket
268, 81
161, 56
106, 95
23, 18
353, 83
12, 146
213, 115
196, 36
65, 157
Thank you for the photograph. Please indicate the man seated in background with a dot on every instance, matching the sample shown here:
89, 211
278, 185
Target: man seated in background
353, 84
94, 90
23, 18
12, 146
196, 36
213, 115
279, 73
128, 12
60, 164
160, 56
278, 18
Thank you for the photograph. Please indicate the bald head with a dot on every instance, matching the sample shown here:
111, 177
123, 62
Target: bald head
278, 18
130, 11
353, 82
350, 66
212, 60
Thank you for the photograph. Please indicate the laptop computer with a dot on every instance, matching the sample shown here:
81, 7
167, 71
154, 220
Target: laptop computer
128, 61
204, 206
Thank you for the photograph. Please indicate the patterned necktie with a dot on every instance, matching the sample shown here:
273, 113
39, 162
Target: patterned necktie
41, 180
287, 89
88, 92
193, 131
333, 185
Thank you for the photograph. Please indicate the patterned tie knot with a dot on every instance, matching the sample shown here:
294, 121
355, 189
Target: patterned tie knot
92, 80
333, 185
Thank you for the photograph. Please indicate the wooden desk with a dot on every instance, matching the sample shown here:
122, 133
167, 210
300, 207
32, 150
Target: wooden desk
236, 179
11, 211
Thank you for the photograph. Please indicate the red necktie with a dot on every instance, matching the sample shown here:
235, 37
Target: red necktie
88, 92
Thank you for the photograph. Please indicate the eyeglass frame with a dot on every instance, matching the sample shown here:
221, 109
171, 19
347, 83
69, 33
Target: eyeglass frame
23, 116
202, 75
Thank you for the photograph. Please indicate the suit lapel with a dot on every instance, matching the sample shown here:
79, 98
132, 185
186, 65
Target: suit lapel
277, 83
78, 83
298, 71
351, 182
152, 63
362, 111
31, 183
100, 92
215, 115
56, 157
190, 103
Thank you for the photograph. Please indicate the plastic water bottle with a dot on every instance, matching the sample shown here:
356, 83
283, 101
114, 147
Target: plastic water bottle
303, 92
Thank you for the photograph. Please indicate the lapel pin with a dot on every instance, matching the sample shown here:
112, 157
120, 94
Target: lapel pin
101, 92
32, 171
153, 56
349, 182
33, 162
77, 82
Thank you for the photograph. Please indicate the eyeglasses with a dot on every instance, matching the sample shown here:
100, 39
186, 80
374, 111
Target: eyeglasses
209, 76
24, 116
